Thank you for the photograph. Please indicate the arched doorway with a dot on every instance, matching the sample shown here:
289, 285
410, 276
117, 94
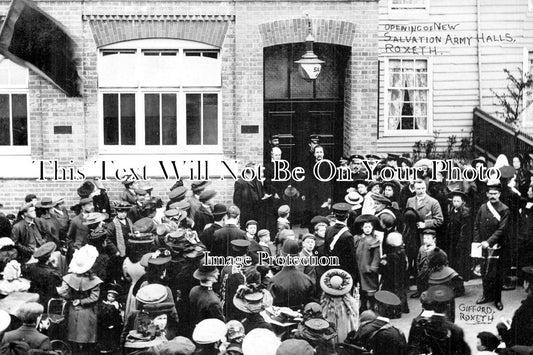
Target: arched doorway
294, 108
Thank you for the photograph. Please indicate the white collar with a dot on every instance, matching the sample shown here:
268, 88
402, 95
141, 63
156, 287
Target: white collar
385, 319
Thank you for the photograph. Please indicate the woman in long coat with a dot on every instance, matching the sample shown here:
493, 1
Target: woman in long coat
367, 254
82, 289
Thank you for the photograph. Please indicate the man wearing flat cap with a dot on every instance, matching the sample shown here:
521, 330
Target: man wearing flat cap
203, 215
25, 233
340, 242
128, 194
490, 229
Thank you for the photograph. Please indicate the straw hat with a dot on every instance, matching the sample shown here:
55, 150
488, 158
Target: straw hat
83, 259
336, 282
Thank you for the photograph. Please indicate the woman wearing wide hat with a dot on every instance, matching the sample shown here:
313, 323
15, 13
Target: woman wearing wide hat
251, 299
367, 254
339, 307
82, 289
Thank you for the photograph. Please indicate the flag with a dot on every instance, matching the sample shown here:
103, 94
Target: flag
32, 38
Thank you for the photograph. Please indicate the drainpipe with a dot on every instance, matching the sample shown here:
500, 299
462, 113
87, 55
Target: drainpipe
480, 86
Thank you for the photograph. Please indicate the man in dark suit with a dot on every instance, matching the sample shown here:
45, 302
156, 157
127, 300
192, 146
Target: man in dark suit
78, 232
231, 231
490, 228
29, 313
26, 234
427, 207
203, 215
44, 278
207, 236
247, 195
339, 241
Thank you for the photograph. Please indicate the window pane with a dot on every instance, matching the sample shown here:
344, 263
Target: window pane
110, 119
210, 119
127, 119
151, 119
276, 72
117, 69
169, 119
193, 119
20, 119
4, 120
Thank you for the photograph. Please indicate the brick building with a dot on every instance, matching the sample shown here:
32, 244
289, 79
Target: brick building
189, 81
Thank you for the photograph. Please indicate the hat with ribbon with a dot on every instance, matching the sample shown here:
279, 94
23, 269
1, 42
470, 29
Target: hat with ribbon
157, 309
160, 256
336, 282
354, 198
249, 299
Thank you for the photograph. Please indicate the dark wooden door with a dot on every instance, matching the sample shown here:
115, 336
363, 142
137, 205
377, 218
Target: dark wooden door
294, 121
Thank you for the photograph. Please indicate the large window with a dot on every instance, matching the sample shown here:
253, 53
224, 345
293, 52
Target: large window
158, 94
407, 96
13, 107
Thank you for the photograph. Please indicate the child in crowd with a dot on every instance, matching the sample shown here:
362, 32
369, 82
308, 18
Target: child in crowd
283, 217
422, 261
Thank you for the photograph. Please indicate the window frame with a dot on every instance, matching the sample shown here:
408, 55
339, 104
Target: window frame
14, 90
140, 147
408, 132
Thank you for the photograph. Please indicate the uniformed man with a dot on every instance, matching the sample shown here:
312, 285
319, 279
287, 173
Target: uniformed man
490, 228
339, 241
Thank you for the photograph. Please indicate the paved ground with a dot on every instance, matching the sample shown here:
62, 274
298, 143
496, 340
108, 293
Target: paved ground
474, 319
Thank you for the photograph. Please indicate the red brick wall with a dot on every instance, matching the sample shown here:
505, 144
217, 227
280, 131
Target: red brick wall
251, 25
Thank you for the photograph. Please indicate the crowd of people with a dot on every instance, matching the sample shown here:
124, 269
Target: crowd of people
129, 273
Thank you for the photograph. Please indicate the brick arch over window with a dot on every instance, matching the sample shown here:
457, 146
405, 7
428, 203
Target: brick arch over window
295, 30
209, 29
